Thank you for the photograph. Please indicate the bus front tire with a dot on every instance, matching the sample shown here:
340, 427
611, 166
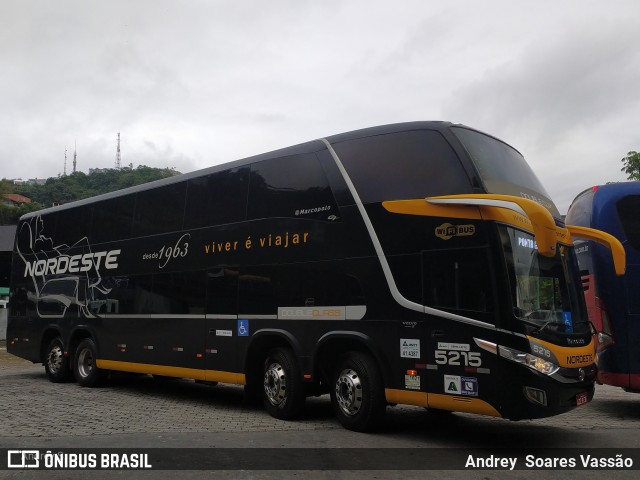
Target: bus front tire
84, 364
357, 393
282, 392
56, 363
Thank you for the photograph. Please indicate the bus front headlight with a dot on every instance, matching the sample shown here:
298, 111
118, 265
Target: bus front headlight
535, 363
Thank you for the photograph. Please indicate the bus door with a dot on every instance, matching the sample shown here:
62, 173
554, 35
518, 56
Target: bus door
458, 292
155, 320
222, 324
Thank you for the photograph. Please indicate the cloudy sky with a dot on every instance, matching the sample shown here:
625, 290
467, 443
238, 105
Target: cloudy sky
193, 83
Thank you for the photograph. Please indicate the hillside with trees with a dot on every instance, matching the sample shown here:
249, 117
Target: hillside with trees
78, 185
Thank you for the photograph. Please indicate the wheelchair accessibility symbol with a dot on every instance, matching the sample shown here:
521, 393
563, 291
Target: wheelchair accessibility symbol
243, 328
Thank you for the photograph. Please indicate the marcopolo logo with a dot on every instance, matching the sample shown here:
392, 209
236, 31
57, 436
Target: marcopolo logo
73, 264
446, 231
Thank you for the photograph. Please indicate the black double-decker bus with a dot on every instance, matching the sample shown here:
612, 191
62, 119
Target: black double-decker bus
418, 263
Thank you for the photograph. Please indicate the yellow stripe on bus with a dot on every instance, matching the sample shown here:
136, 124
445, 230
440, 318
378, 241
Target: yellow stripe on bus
421, 207
405, 397
506, 216
180, 372
440, 401
570, 357
425, 209
461, 404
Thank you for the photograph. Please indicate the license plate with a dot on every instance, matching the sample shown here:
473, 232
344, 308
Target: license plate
582, 398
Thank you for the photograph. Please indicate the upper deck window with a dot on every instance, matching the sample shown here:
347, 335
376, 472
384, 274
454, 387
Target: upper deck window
217, 198
502, 168
404, 165
291, 186
159, 210
112, 219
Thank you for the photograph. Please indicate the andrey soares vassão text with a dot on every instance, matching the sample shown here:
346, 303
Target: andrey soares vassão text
532, 461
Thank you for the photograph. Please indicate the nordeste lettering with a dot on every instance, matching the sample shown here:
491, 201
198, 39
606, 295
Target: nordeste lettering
73, 264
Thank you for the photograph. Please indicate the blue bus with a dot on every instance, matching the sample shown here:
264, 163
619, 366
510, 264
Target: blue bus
613, 302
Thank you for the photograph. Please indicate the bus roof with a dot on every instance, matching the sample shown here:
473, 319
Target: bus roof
307, 147
618, 189
596, 207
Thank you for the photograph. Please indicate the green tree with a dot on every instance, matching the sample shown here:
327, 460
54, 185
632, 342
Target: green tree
79, 185
632, 165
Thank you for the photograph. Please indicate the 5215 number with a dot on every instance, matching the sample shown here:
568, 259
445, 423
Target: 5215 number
453, 357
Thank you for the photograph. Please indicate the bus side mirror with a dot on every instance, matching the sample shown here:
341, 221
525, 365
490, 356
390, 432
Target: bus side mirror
603, 238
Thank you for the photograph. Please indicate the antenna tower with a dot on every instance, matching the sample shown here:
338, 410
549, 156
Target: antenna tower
64, 172
75, 157
118, 159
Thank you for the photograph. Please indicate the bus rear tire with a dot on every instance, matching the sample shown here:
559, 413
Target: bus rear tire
56, 363
84, 364
282, 392
357, 393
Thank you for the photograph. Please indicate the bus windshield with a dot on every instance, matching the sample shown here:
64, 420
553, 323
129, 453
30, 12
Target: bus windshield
544, 294
502, 168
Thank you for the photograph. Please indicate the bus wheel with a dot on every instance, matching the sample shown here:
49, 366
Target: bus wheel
357, 393
84, 364
283, 393
56, 364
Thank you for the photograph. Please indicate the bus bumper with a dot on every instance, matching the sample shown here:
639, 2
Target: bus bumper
545, 396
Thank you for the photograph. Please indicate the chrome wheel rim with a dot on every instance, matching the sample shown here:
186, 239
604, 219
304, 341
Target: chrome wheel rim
85, 362
275, 384
54, 359
349, 392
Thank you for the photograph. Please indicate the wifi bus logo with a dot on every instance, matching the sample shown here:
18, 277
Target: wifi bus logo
446, 231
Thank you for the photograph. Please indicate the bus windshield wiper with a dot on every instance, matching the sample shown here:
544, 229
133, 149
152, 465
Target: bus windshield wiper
543, 326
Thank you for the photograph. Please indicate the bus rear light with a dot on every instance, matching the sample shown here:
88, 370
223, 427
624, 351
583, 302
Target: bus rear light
535, 395
535, 363
413, 373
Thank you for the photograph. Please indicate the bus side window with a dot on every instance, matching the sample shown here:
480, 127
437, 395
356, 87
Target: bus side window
629, 213
291, 186
125, 295
112, 219
222, 291
217, 199
264, 289
148, 220
336, 180
179, 292
72, 226
403, 165
459, 280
